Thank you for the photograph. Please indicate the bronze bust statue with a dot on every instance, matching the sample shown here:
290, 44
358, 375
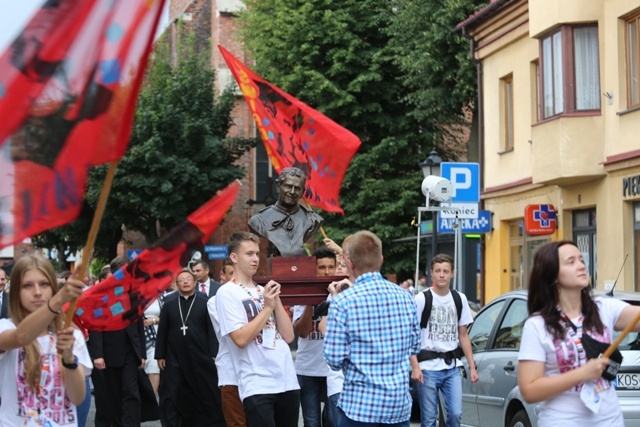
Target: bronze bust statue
287, 224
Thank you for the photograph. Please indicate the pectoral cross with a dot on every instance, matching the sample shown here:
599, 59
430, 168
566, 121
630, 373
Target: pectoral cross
184, 329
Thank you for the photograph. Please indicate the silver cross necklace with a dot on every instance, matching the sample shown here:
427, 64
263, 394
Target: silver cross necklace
182, 319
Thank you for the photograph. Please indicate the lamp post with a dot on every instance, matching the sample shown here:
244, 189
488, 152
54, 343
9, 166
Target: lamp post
431, 167
437, 190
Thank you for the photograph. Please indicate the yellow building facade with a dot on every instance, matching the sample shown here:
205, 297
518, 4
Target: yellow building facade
560, 113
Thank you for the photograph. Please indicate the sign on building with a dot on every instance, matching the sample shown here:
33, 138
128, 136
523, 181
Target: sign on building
481, 224
539, 220
216, 251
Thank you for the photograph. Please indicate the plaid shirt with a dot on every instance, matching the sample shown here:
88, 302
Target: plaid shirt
372, 330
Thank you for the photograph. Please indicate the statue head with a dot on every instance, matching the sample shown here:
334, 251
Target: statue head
290, 186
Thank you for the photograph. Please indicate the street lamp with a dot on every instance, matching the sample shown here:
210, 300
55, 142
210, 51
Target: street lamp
431, 167
436, 190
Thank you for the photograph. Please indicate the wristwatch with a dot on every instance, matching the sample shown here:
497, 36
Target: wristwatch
71, 366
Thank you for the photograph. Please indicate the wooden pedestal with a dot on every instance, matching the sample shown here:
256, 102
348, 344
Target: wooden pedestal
297, 275
302, 290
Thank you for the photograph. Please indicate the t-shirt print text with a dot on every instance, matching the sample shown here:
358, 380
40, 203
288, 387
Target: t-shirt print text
443, 324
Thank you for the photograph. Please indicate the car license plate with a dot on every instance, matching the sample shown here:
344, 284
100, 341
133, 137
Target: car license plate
628, 382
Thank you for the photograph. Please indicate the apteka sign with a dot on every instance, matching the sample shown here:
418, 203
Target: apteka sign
539, 220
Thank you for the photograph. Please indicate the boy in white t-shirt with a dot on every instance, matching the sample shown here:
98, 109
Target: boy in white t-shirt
260, 330
443, 340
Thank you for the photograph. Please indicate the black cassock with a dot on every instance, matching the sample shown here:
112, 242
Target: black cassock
189, 393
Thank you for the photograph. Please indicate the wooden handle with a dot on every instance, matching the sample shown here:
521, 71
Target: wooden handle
622, 336
324, 235
93, 234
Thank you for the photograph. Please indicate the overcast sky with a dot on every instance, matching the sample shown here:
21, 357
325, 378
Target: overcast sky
16, 13
14, 16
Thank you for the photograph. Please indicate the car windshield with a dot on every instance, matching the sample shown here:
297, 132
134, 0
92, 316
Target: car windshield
632, 340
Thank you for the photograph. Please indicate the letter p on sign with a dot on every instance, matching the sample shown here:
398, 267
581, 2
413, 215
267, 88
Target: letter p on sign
465, 179
461, 179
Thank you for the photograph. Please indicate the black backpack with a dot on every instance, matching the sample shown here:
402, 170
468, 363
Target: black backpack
428, 302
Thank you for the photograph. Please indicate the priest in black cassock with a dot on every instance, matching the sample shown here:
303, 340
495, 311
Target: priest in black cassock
186, 346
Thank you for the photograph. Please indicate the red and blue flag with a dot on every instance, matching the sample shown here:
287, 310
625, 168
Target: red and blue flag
122, 298
68, 89
296, 135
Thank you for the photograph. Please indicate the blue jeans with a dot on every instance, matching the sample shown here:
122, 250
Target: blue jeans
333, 415
449, 383
347, 422
83, 408
313, 390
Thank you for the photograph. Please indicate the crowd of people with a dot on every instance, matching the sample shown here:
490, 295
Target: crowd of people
217, 353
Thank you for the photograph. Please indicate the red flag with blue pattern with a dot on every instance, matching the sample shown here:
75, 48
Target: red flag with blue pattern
122, 298
68, 89
296, 135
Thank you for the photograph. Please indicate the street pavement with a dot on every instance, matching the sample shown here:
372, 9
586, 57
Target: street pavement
92, 415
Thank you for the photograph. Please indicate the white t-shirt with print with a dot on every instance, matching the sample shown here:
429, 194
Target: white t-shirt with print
19, 402
260, 370
309, 358
224, 363
566, 409
441, 333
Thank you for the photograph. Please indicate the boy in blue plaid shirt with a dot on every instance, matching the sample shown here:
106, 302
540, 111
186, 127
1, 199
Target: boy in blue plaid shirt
372, 330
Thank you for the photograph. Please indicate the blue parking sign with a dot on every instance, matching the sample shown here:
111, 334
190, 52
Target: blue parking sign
465, 179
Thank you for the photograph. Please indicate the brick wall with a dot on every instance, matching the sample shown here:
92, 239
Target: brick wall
220, 28
176, 8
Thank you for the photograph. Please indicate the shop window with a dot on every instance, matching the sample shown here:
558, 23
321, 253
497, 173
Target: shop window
633, 61
570, 71
585, 236
522, 251
636, 238
506, 89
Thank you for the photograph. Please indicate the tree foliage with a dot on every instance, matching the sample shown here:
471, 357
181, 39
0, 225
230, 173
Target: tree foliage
178, 156
437, 68
342, 57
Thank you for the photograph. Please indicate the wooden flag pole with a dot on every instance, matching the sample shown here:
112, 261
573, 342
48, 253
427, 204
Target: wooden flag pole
622, 336
324, 235
93, 234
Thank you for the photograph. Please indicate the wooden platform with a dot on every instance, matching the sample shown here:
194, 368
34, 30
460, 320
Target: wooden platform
301, 290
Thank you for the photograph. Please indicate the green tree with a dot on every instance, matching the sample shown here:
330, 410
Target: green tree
439, 76
177, 159
341, 58
438, 71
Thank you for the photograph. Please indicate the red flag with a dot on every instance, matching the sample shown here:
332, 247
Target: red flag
122, 298
296, 135
68, 89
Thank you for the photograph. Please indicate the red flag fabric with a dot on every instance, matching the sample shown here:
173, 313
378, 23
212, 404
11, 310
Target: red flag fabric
296, 135
122, 298
68, 89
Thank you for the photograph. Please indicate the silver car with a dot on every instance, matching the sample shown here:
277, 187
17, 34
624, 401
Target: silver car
495, 335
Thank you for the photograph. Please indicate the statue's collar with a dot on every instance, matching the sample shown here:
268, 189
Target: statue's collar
283, 211
286, 221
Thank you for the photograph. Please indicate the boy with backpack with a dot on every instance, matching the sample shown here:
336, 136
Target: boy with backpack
444, 316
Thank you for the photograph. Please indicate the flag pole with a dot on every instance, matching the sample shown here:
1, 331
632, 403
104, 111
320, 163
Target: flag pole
324, 235
93, 234
622, 336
